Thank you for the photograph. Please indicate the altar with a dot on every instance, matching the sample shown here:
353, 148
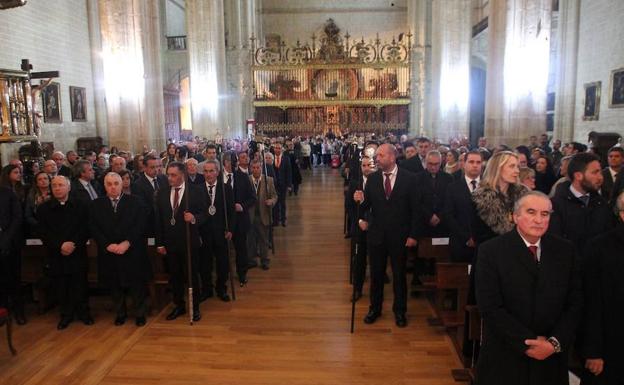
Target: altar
331, 85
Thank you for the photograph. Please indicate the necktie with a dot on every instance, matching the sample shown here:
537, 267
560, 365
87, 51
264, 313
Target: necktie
533, 250
91, 191
115, 203
229, 180
278, 161
210, 192
155, 183
176, 197
388, 185
474, 185
585, 199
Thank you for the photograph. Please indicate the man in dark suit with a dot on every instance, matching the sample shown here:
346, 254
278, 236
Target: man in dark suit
244, 198
116, 223
602, 332
180, 207
283, 183
84, 187
579, 211
615, 158
359, 259
394, 225
10, 259
59, 158
530, 299
434, 184
63, 225
146, 186
215, 232
194, 175
459, 210
412, 161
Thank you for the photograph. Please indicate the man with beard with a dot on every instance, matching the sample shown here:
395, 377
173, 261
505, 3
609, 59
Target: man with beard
580, 212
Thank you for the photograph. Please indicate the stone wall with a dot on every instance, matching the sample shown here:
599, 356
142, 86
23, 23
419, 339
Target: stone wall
53, 35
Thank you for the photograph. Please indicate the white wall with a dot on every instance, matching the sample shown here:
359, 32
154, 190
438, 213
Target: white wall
601, 33
176, 18
53, 35
293, 19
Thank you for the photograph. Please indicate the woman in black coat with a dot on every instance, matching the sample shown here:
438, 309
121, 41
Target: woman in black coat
544, 174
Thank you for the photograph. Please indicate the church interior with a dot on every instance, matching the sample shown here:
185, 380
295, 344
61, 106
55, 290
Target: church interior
136, 77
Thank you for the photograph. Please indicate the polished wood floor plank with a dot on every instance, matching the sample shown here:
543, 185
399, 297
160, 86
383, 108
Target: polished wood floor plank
290, 325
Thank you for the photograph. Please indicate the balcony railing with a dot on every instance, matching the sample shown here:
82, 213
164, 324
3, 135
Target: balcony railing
176, 43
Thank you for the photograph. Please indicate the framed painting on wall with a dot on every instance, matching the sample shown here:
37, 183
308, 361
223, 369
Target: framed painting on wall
591, 105
52, 103
616, 93
78, 99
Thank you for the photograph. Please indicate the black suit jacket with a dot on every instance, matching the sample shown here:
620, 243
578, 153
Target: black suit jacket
216, 223
245, 195
126, 224
602, 334
65, 171
173, 237
64, 223
391, 220
144, 189
432, 200
283, 175
459, 214
79, 192
10, 220
519, 299
607, 184
198, 181
412, 164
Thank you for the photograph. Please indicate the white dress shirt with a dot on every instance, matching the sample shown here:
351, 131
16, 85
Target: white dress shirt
538, 244
393, 175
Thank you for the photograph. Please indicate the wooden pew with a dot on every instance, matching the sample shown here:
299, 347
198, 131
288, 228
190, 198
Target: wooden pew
429, 251
467, 374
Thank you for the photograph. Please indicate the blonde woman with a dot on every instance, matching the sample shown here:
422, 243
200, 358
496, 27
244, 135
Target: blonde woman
494, 199
527, 177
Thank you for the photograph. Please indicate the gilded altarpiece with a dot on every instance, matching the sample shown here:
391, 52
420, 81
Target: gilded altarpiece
331, 85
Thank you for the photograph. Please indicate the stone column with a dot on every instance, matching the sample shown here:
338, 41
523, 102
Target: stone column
131, 53
206, 49
565, 97
417, 20
517, 73
452, 35
97, 67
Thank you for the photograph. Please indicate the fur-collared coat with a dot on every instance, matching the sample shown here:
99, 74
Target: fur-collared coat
494, 210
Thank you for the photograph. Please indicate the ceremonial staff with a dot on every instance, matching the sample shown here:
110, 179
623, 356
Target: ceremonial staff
356, 236
266, 187
189, 261
227, 228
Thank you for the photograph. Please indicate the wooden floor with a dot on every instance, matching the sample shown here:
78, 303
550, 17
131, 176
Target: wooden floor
290, 325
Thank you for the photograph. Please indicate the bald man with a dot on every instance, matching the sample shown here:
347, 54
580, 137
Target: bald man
63, 227
116, 222
389, 212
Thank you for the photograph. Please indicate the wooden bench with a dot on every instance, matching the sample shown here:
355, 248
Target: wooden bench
467, 374
34, 257
429, 251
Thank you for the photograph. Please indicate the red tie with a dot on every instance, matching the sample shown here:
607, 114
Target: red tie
388, 185
533, 250
175, 199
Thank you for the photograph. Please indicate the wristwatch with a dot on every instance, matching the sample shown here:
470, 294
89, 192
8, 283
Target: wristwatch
555, 343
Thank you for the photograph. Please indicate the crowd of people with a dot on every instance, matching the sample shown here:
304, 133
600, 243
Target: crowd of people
540, 226
231, 192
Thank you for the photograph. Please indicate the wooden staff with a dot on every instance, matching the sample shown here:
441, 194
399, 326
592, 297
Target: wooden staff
355, 255
189, 261
227, 227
